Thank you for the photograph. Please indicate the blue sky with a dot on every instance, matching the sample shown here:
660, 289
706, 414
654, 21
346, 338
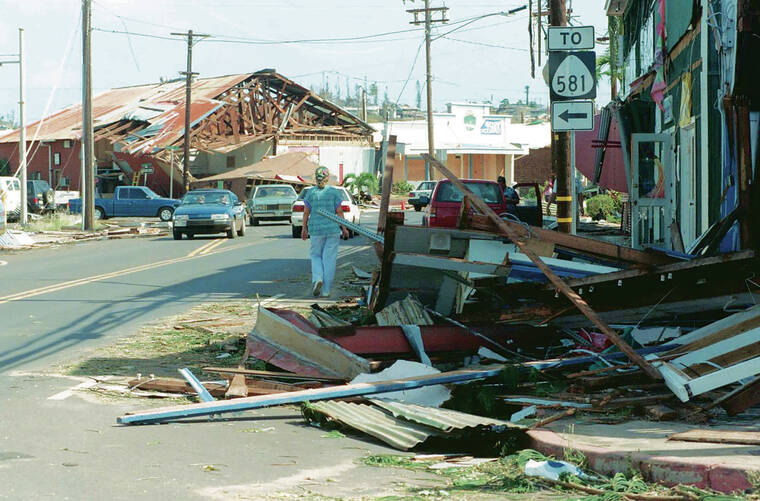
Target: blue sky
487, 58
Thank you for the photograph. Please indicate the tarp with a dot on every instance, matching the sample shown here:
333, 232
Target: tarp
613, 168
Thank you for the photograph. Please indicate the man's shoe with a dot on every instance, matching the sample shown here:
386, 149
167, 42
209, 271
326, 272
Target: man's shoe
325, 294
317, 288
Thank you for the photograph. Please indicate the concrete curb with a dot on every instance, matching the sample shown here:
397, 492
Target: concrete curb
667, 470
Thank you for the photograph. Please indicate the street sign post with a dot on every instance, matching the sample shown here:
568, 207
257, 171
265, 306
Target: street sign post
572, 75
571, 38
572, 115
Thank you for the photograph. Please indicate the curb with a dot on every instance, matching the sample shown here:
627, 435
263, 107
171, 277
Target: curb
667, 470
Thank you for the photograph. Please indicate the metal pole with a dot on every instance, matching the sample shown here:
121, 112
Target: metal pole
574, 177
87, 133
431, 142
188, 93
171, 175
563, 185
22, 126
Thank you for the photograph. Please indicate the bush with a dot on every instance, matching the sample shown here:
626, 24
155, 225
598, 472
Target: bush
402, 188
365, 183
602, 207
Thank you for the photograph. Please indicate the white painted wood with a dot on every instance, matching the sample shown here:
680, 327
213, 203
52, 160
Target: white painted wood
720, 348
720, 325
729, 375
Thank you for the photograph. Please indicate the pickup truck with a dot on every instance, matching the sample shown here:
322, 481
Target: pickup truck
130, 201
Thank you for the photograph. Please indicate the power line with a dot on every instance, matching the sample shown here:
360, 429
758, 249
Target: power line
496, 46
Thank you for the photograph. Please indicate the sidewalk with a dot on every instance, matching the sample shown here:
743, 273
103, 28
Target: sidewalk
643, 446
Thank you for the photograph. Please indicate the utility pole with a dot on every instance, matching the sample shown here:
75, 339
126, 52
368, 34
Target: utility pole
22, 126
527, 95
560, 148
364, 104
188, 100
428, 11
88, 159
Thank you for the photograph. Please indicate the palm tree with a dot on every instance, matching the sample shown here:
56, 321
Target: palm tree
365, 183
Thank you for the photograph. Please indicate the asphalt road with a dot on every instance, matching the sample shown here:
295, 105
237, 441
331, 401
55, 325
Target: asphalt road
56, 302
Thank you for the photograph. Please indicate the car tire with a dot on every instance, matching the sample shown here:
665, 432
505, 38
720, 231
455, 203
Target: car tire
177, 235
296, 230
165, 213
232, 232
100, 213
418, 208
250, 220
254, 221
241, 231
190, 236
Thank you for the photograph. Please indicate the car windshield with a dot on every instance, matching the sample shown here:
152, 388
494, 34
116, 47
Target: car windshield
426, 185
275, 191
206, 198
343, 194
489, 192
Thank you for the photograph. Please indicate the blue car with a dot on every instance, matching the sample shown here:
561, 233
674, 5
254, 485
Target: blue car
203, 212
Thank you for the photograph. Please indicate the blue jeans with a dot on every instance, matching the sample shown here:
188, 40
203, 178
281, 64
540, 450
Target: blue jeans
323, 252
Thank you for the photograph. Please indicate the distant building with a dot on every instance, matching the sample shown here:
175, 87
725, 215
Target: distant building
474, 143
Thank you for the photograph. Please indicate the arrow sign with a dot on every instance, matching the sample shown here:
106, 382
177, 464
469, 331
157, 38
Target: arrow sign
567, 116
572, 115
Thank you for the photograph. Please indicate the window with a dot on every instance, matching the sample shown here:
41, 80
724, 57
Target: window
35, 175
489, 192
65, 182
136, 194
56, 159
66, 143
231, 162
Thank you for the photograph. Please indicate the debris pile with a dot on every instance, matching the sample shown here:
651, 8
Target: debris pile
505, 328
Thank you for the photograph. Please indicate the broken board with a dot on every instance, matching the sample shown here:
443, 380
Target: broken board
718, 436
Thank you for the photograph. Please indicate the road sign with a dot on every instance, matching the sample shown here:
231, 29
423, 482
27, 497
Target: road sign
571, 37
572, 75
147, 170
572, 115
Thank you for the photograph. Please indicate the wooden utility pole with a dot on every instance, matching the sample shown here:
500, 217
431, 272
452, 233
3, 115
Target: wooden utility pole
563, 185
188, 101
428, 21
88, 158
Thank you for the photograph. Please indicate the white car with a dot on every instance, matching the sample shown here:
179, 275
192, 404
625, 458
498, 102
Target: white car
351, 211
10, 192
423, 189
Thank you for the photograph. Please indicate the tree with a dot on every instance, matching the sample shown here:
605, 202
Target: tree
363, 183
373, 92
419, 95
606, 64
8, 121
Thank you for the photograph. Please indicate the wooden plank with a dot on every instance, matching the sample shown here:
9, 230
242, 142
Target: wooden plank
718, 436
313, 395
390, 158
742, 398
449, 263
553, 278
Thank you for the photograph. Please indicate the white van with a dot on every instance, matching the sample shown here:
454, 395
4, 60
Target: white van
10, 192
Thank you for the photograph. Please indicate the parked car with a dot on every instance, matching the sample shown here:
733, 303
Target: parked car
420, 196
130, 201
203, 212
351, 211
10, 191
271, 202
446, 202
40, 197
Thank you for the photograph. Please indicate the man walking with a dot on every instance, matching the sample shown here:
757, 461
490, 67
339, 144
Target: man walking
325, 234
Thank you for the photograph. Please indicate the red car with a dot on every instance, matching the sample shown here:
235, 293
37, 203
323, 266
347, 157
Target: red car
446, 202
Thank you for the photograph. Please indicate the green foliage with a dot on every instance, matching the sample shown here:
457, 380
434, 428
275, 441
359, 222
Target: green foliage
364, 182
393, 460
401, 188
602, 206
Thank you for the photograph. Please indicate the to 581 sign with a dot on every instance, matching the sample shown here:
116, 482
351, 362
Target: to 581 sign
572, 75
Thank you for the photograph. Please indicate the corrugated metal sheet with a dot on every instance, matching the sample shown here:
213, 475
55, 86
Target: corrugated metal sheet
402, 425
395, 432
441, 419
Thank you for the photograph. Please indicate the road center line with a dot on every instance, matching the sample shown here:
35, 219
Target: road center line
96, 278
3, 263
205, 246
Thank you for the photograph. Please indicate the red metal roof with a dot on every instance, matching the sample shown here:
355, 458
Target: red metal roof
613, 169
167, 99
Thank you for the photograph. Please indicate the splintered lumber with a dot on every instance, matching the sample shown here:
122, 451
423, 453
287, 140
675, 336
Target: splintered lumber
237, 388
349, 390
718, 436
271, 374
174, 385
553, 278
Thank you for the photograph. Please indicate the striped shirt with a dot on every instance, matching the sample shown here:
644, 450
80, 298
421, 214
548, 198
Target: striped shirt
327, 199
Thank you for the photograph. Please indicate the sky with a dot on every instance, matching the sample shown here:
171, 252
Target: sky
483, 60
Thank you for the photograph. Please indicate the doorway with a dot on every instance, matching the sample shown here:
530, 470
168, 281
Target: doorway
687, 170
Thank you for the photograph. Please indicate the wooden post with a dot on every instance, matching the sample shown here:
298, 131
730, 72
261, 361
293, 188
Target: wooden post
390, 158
553, 278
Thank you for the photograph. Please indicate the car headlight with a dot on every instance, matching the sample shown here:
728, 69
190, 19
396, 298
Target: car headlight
220, 216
